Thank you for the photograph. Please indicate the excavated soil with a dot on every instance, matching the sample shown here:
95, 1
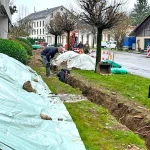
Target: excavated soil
35, 60
135, 117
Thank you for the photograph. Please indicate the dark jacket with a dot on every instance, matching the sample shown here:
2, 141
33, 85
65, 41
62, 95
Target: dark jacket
80, 45
62, 74
49, 52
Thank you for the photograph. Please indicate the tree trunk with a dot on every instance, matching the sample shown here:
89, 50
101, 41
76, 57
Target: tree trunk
93, 41
55, 40
68, 40
98, 51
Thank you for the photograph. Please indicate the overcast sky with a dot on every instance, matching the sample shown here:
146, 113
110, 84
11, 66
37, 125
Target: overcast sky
44, 4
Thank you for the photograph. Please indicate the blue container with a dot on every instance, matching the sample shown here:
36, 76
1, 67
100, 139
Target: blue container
128, 42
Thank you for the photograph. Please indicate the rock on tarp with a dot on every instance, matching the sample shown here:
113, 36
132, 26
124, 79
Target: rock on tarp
21, 127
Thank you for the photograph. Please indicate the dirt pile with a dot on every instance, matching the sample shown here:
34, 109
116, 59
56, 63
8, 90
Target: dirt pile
135, 117
35, 60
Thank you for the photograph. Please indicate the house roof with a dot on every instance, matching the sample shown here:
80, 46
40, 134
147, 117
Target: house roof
41, 14
139, 26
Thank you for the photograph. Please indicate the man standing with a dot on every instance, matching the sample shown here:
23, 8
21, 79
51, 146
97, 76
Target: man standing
47, 54
80, 45
86, 48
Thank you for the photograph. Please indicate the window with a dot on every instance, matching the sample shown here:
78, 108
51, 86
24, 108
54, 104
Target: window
40, 23
61, 9
43, 23
37, 31
43, 31
34, 24
40, 31
43, 37
37, 23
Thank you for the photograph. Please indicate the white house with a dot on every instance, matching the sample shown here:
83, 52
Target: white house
88, 36
39, 21
41, 18
6, 12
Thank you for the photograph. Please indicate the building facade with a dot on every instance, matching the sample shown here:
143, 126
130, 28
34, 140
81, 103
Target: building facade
40, 20
142, 33
6, 12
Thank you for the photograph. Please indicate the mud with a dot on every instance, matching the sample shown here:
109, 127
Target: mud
130, 114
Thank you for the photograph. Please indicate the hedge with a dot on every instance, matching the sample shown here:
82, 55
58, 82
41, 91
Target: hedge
25, 41
13, 49
27, 47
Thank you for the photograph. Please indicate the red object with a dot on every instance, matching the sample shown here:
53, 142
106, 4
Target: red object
41, 43
148, 51
66, 46
72, 38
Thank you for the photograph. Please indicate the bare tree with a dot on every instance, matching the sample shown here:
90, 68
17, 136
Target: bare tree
55, 26
103, 14
120, 31
68, 25
23, 26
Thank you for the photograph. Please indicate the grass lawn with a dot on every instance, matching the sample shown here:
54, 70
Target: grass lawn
132, 87
97, 128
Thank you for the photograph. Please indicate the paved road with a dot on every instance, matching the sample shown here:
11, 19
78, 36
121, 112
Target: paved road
135, 63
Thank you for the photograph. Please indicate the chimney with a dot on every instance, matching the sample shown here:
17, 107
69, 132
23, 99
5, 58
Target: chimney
34, 10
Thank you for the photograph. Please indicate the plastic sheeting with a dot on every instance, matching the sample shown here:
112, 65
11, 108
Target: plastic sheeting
65, 57
21, 127
80, 61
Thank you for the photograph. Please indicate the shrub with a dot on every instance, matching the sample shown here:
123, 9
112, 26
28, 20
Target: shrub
31, 40
13, 49
58, 45
25, 41
27, 47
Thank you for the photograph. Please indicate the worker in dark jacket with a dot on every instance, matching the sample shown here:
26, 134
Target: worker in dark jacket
47, 55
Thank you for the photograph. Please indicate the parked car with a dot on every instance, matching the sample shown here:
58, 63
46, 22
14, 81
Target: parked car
111, 44
103, 44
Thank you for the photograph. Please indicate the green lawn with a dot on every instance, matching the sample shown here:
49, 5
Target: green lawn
97, 128
132, 87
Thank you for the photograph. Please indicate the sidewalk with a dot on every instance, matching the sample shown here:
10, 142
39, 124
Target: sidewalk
144, 52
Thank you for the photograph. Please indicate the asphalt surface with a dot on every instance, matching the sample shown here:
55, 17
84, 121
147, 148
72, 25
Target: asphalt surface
137, 64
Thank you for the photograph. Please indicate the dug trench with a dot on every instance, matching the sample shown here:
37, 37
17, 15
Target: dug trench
130, 114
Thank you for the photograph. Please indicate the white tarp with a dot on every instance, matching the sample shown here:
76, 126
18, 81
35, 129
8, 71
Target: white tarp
65, 57
21, 127
80, 61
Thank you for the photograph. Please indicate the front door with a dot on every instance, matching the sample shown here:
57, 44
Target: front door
146, 43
